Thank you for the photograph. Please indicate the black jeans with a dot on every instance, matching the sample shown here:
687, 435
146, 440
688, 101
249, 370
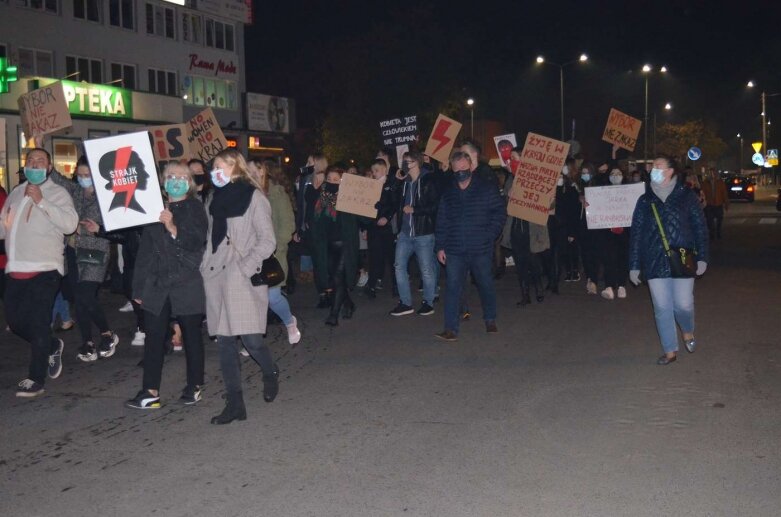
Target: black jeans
338, 275
616, 259
382, 253
89, 310
28, 311
714, 215
154, 346
230, 362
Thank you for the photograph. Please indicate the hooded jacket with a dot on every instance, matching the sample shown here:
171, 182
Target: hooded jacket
425, 202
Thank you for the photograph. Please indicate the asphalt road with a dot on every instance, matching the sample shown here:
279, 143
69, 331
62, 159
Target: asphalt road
564, 412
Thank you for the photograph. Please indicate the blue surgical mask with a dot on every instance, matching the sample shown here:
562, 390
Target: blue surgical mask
35, 176
84, 181
585, 177
462, 176
657, 176
219, 178
176, 187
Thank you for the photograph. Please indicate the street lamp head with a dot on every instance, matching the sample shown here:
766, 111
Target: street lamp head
540, 59
668, 106
663, 69
647, 68
470, 101
750, 84
583, 58
738, 135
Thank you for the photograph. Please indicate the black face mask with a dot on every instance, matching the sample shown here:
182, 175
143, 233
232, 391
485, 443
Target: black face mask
462, 176
199, 179
331, 188
307, 170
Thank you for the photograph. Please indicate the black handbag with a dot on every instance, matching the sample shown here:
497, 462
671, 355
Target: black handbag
683, 263
271, 273
90, 257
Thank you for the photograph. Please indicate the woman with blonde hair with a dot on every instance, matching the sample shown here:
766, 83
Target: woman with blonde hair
167, 283
239, 239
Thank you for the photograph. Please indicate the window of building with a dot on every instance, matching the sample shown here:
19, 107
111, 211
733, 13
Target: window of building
84, 69
87, 10
120, 13
35, 62
49, 6
160, 21
219, 35
3, 50
162, 81
206, 91
123, 75
192, 28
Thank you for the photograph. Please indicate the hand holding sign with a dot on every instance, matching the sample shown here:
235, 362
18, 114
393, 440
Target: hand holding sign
443, 138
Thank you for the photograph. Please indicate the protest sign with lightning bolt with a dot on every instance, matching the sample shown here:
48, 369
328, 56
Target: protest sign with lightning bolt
442, 138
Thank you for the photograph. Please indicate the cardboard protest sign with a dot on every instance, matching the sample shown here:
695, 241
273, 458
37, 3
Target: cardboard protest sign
534, 185
621, 130
204, 136
399, 131
504, 146
125, 178
442, 138
169, 144
358, 195
612, 206
44, 110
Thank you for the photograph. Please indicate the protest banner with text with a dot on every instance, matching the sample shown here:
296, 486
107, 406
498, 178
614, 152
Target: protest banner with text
169, 143
442, 138
204, 136
125, 179
534, 186
612, 206
359, 195
399, 131
44, 110
621, 130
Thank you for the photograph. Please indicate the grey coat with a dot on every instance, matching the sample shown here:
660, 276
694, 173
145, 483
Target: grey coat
234, 307
87, 208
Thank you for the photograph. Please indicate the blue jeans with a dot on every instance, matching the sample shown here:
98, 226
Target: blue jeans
278, 303
673, 300
423, 248
61, 307
457, 267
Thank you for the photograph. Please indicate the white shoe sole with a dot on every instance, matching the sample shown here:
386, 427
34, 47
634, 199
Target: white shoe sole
105, 354
29, 394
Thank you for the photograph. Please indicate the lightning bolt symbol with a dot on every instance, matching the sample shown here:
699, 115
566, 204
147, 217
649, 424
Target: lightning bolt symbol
439, 134
120, 165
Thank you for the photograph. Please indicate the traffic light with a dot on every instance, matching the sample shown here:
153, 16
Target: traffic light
7, 74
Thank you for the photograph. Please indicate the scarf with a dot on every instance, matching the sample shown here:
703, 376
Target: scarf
232, 200
326, 204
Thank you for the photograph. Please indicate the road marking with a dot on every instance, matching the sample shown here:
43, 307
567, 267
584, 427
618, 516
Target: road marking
768, 220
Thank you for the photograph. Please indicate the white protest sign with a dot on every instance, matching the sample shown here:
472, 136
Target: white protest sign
612, 206
359, 195
504, 146
125, 178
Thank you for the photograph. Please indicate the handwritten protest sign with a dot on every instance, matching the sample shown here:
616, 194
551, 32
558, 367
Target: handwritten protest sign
204, 136
125, 178
621, 130
169, 143
535, 179
359, 195
44, 110
399, 131
442, 138
504, 146
612, 206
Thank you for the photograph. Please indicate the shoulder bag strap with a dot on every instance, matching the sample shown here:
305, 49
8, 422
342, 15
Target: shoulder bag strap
661, 230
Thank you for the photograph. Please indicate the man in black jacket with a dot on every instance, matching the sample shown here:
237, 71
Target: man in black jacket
417, 199
379, 235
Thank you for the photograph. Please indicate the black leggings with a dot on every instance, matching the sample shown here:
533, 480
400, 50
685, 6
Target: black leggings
338, 276
89, 310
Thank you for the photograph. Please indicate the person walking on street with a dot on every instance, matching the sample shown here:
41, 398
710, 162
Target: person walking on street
716, 202
668, 215
35, 218
239, 239
379, 233
470, 217
167, 283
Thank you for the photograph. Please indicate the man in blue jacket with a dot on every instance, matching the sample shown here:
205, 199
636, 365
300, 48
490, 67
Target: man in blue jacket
470, 218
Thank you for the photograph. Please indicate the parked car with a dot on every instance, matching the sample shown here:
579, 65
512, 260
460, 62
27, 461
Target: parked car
740, 188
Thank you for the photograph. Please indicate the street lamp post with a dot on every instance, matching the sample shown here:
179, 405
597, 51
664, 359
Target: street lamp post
582, 59
667, 107
740, 165
471, 103
647, 70
764, 97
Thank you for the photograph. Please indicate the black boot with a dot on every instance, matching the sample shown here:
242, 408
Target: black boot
323, 302
271, 385
348, 309
234, 409
525, 296
538, 290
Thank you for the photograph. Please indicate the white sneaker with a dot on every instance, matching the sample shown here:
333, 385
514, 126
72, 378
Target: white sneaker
591, 287
363, 279
138, 338
622, 292
128, 307
607, 294
293, 334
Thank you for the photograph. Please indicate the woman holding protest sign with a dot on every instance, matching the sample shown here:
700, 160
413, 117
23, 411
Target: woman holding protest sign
614, 245
239, 240
167, 284
669, 246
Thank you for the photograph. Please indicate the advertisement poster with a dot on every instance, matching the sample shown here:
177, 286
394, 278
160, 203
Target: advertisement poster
534, 186
622, 130
443, 138
359, 195
267, 113
504, 146
44, 110
125, 178
612, 206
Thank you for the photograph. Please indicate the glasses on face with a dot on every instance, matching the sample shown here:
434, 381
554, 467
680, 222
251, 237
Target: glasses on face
174, 177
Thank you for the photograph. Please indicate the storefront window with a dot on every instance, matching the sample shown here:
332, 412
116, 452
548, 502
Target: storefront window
66, 152
215, 93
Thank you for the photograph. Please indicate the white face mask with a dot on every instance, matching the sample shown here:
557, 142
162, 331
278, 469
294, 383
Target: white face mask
616, 180
560, 181
565, 170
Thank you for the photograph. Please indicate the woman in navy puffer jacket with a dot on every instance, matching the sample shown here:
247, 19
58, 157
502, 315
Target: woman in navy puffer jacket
684, 225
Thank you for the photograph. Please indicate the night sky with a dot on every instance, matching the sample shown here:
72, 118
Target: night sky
359, 61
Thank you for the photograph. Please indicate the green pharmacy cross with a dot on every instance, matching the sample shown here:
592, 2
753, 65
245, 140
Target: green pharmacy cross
7, 74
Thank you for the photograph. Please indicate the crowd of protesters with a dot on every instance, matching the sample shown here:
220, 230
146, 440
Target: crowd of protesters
204, 269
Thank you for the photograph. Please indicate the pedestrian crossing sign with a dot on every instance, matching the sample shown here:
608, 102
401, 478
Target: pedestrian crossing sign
772, 157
